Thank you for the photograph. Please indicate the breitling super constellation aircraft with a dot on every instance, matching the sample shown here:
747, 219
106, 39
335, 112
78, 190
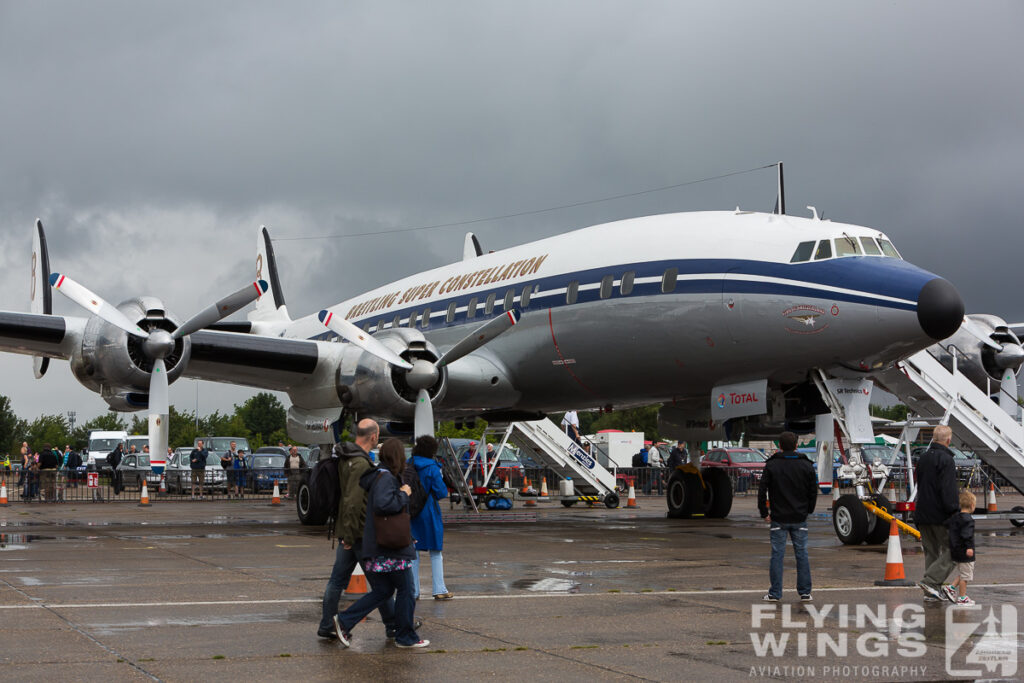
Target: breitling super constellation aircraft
691, 310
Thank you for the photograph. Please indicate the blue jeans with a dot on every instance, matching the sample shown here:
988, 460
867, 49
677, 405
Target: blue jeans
344, 565
797, 532
384, 585
436, 574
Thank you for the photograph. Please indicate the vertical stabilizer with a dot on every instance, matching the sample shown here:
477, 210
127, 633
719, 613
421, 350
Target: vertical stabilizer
40, 294
271, 306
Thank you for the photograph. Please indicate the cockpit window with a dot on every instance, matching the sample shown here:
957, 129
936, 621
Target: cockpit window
803, 252
870, 248
847, 246
824, 250
888, 249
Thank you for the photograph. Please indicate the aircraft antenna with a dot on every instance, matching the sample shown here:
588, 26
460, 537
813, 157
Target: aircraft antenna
780, 199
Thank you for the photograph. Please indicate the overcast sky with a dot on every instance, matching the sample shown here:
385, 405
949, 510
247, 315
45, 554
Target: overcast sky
154, 138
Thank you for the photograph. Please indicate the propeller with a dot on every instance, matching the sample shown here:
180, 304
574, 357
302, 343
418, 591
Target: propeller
158, 343
421, 373
972, 328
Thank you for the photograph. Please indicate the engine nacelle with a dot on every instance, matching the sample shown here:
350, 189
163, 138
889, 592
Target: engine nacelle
981, 363
111, 362
374, 388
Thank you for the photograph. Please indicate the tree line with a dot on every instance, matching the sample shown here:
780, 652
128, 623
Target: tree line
262, 420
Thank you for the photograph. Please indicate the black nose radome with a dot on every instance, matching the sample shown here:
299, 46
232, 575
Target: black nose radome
940, 310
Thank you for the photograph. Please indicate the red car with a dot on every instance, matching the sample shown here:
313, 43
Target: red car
744, 465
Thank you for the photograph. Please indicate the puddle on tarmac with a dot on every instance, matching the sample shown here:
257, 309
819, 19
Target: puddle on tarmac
108, 629
598, 561
547, 585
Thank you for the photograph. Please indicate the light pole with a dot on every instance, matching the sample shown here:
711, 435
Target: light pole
71, 419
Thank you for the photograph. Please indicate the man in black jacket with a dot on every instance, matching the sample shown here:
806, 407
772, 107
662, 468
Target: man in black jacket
789, 483
937, 501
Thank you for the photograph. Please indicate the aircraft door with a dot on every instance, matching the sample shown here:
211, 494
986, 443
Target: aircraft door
732, 305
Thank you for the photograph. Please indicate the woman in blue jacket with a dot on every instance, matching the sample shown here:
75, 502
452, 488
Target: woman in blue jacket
388, 570
427, 527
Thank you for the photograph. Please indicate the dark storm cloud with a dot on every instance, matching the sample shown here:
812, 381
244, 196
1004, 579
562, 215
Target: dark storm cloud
154, 138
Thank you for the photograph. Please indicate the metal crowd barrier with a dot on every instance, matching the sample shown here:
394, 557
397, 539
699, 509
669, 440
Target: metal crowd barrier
62, 486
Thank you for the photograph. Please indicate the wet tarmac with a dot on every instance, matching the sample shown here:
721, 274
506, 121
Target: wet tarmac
184, 591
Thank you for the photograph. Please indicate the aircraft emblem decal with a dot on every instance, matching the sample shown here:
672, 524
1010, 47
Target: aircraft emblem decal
803, 319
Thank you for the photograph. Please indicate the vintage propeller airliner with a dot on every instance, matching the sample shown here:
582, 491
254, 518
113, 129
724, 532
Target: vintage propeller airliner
682, 309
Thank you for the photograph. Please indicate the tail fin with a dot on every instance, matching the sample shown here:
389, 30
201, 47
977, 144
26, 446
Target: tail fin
41, 294
271, 306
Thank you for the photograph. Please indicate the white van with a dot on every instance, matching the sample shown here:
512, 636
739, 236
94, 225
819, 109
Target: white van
100, 444
140, 442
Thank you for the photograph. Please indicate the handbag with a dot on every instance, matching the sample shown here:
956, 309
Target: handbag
393, 531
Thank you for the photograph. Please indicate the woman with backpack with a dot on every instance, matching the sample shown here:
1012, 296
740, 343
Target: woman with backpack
427, 526
388, 564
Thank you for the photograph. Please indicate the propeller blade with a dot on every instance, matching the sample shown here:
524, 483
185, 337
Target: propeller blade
363, 340
158, 400
971, 328
423, 418
222, 309
94, 304
478, 338
159, 420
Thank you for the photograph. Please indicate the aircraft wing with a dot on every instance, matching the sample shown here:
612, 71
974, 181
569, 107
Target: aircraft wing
39, 334
253, 360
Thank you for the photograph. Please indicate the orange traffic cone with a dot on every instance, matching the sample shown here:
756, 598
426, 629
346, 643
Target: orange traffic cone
163, 485
631, 500
144, 497
992, 498
543, 486
3, 493
276, 499
357, 584
894, 574
508, 483
526, 485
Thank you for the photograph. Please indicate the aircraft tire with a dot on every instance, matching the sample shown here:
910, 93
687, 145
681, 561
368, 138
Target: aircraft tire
568, 503
611, 500
1017, 523
302, 507
684, 495
850, 520
717, 493
878, 529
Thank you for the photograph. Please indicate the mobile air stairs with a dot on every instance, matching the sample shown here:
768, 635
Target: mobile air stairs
582, 478
935, 394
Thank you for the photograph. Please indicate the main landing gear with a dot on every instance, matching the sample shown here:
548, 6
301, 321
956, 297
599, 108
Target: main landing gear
698, 492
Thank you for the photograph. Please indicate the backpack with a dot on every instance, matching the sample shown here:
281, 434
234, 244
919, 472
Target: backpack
638, 460
324, 490
418, 499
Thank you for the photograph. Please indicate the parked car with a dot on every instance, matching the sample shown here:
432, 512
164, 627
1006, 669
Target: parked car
178, 472
134, 467
221, 444
266, 466
744, 465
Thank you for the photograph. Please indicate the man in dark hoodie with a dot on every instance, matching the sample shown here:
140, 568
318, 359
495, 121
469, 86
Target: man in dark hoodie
937, 501
354, 461
790, 484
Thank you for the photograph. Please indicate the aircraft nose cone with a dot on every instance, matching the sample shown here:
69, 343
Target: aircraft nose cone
940, 310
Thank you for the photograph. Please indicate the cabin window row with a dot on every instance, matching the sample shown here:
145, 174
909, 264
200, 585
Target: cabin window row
607, 284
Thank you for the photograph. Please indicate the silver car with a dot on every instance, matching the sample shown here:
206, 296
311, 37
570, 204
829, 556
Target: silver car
179, 472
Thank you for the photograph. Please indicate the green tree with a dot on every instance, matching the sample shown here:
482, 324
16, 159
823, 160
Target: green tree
470, 430
263, 416
49, 429
12, 428
896, 413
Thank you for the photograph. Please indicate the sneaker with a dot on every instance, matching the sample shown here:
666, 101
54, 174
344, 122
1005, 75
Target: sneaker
768, 597
964, 600
392, 632
806, 598
344, 637
932, 598
930, 591
444, 596
421, 643
329, 635
950, 593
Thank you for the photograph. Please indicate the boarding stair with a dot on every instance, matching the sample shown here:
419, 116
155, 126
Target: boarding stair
453, 473
550, 446
932, 390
